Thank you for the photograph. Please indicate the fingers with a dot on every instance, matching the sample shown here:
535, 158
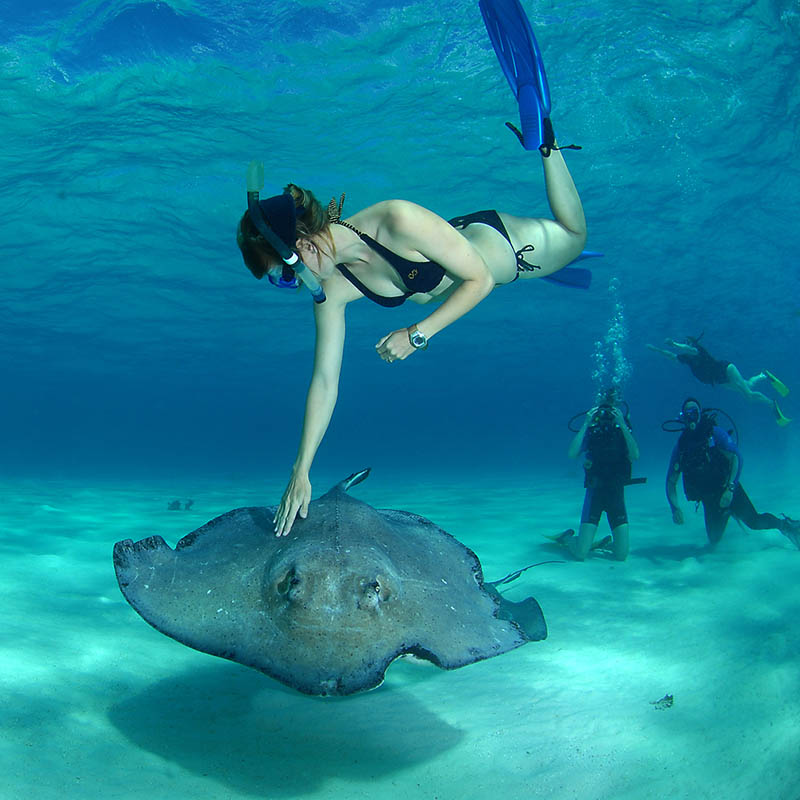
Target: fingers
394, 347
295, 500
386, 352
284, 519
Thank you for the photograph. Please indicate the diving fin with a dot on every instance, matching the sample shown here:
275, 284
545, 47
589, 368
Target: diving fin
576, 277
778, 385
779, 417
561, 538
521, 61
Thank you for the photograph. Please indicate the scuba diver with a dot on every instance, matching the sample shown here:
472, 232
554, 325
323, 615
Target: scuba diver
713, 371
606, 439
397, 250
709, 458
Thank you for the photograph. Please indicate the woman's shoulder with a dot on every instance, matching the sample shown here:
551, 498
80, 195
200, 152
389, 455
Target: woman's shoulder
392, 214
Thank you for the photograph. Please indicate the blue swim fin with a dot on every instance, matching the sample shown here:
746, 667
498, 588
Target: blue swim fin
576, 277
521, 60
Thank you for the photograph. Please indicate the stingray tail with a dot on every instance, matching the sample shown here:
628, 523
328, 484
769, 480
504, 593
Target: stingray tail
512, 576
355, 478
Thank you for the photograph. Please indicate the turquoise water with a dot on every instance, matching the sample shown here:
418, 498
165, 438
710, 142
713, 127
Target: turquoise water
142, 363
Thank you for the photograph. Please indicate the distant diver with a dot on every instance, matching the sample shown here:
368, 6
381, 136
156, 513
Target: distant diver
397, 250
709, 459
606, 440
712, 371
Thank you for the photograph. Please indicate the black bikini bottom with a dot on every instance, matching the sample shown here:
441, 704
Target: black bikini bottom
492, 219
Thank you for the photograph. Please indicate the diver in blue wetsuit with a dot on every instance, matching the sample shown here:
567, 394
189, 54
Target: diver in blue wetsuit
396, 250
711, 464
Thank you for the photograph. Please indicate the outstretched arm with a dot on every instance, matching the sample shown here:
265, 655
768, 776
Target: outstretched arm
668, 353
320, 402
682, 347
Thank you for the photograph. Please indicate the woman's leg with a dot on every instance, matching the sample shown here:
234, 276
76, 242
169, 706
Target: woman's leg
563, 196
739, 384
556, 241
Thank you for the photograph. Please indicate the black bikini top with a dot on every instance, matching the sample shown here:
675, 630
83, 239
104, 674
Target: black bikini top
418, 277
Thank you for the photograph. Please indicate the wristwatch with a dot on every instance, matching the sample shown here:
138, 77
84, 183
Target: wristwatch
417, 338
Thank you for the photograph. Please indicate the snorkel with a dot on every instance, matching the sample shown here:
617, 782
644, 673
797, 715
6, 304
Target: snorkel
284, 277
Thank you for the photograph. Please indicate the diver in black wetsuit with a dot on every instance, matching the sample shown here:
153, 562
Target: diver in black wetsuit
606, 439
714, 371
711, 465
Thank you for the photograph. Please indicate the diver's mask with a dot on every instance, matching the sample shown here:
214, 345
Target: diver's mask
283, 276
690, 413
276, 220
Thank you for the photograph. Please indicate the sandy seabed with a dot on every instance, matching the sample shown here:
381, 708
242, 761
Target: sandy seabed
97, 704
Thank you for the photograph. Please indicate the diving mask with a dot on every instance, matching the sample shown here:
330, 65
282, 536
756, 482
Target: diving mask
690, 413
276, 220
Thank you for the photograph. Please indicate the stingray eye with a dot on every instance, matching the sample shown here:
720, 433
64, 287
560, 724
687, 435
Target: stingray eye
287, 582
381, 588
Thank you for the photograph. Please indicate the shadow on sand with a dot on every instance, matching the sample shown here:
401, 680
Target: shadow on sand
249, 733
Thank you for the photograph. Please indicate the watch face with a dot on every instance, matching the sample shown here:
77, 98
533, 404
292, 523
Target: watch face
417, 339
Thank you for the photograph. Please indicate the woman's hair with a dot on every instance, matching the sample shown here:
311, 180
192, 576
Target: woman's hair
312, 219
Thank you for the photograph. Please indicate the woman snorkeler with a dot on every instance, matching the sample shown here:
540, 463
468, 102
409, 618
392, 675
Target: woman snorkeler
397, 250
393, 251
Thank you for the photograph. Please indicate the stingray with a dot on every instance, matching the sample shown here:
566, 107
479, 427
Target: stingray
326, 609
